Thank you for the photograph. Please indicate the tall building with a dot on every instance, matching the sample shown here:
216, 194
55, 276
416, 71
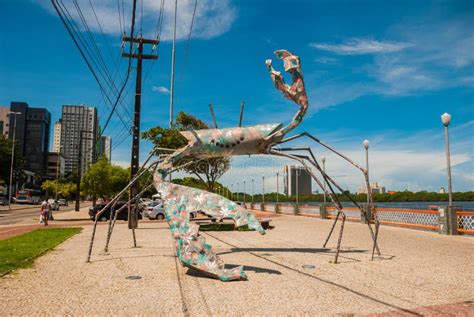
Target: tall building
374, 187
55, 165
32, 134
79, 131
297, 180
4, 121
57, 136
105, 147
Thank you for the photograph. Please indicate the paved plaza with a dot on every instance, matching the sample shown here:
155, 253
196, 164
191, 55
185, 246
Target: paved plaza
418, 273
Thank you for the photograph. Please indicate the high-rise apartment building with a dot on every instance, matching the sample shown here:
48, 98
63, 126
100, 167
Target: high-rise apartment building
374, 187
55, 165
79, 131
32, 134
105, 148
297, 180
4, 121
57, 136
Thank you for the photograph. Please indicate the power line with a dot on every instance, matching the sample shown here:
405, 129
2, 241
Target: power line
104, 70
85, 50
187, 48
72, 29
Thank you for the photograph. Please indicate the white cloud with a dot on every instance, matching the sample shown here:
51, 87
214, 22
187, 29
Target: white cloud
327, 60
161, 89
415, 162
358, 46
213, 17
438, 57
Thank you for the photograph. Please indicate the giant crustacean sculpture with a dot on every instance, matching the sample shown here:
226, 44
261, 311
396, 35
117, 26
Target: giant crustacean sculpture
191, 249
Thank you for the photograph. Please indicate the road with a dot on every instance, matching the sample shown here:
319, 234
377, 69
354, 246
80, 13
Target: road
28, 214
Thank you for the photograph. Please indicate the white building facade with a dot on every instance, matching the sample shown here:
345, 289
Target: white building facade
79, 132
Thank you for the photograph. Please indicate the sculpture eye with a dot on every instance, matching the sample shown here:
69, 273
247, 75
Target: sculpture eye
241, 138
238, 142
217, 144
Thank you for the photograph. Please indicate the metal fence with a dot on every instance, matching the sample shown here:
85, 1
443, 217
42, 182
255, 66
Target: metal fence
351, 213
411, 218
415, 218
465, 222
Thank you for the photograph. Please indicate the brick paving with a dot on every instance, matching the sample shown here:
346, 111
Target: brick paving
461, 309
418, 273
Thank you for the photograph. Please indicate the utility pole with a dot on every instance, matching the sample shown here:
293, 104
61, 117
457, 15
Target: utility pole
79, 168
57, 172
134, 161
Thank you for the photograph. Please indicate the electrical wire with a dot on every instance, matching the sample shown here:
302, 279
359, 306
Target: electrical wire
86, 51
70, 26
187, 48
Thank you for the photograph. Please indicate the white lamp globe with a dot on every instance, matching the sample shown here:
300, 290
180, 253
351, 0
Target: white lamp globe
366, 143
446, 119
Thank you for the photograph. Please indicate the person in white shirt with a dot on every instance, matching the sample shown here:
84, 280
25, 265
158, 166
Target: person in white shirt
45, 208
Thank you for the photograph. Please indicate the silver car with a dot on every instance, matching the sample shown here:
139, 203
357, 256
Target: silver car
156, 211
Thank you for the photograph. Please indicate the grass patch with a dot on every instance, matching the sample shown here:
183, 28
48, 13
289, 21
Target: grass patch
21, 251
222, 227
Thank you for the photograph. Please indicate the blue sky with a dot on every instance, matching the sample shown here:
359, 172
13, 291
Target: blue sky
383, 71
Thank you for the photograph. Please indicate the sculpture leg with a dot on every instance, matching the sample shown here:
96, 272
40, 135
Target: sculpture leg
332, 195
340, 237
331, 231
116, 212
329, 179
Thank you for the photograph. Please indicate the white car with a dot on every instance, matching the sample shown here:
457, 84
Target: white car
54, 204
156, 211
144, 202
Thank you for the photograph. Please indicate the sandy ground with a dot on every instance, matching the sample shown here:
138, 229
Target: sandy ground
416, 269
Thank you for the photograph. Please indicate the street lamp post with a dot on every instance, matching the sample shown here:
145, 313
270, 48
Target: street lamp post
253, 188
366, 146
244, 193
278, 185
323, 159
297, 173
12, 159
57, 173
446, 119
238, 187
232, 191
263, 186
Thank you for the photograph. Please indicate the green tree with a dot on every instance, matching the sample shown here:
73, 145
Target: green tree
67, 190
5, 161
49, 186
104, 180
119, 178
96, 182
209, 170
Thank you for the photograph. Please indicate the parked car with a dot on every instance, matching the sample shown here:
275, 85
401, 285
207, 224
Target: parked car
122, 215
156, 211
144, 202
54, 204
63, 202
3, 200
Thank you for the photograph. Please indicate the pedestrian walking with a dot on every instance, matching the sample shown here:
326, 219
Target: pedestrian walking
45, 208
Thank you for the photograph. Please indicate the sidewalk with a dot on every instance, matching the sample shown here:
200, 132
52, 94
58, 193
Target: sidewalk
417, 272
